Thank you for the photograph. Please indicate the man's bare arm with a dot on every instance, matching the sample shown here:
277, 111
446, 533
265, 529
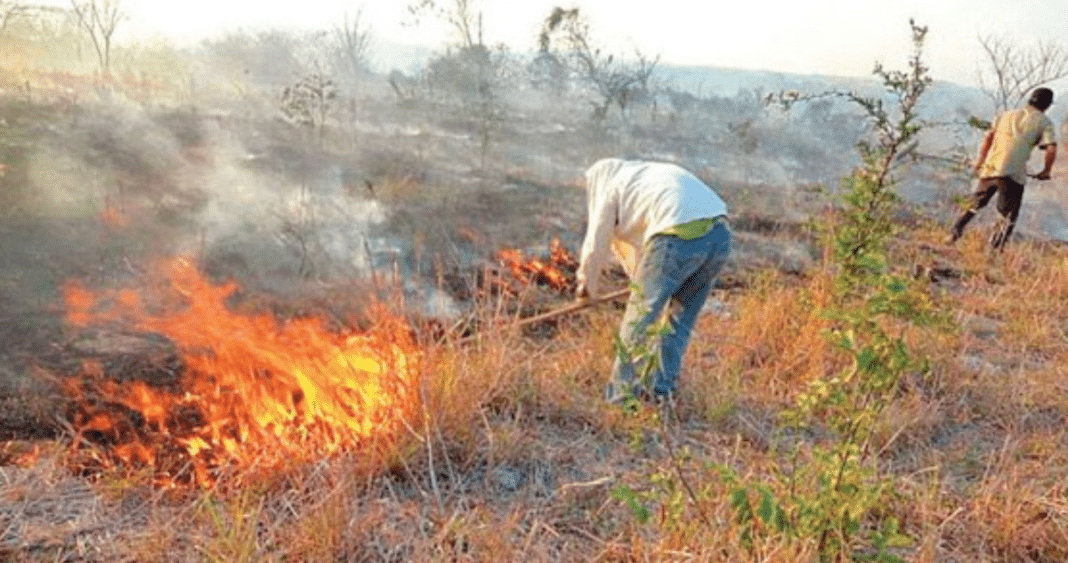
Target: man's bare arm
1051, 156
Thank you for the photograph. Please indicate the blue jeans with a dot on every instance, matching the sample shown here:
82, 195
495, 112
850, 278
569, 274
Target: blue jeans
674, 276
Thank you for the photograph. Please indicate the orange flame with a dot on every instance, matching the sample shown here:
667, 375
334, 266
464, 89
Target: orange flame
113, 215
255, 393
556, 271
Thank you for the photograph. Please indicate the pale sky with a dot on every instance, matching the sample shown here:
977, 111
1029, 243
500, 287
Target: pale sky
836, 37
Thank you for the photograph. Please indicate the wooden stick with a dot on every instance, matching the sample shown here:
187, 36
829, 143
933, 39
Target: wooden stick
565, 310
571, 308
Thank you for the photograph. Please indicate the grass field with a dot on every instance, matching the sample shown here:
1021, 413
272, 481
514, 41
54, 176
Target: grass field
487, 441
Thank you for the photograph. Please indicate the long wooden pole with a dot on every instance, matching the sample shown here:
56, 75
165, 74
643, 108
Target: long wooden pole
559, 312
571, 308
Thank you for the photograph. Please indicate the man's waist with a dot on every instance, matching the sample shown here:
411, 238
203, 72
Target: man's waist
694, 229
1000, 180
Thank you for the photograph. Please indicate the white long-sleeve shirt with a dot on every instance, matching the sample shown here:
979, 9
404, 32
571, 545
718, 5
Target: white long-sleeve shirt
628, 202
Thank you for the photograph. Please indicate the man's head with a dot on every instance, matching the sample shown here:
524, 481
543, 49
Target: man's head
1041, 98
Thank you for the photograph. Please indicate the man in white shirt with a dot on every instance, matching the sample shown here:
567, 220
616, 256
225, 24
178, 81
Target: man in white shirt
668, 229
1001, 165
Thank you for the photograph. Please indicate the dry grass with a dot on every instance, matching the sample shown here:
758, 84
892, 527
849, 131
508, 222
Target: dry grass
513, 455
516, 457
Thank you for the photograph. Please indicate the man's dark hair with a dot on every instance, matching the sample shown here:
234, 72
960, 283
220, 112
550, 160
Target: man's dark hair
1041, 98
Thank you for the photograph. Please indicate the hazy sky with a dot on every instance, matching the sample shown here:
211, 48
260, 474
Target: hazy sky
838, 37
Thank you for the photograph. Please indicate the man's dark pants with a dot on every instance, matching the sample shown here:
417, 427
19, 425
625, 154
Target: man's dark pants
1010, 196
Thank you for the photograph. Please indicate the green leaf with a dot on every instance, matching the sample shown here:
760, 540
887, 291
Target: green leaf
630, 498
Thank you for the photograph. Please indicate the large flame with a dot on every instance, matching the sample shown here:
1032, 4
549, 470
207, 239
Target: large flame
255, 393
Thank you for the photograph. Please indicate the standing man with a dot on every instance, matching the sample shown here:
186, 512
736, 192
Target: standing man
669, 231
1002, 160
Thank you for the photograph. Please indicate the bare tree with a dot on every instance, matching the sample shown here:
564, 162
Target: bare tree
475, 73
99, 18
567, 33
354, 40
1017, 69
469, 71
9, 11
462, 15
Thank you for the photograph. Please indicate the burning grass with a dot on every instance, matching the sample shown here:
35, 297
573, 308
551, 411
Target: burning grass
555, 271
246, 394
252, 393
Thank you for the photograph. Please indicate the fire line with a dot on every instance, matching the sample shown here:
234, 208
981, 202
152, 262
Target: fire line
255, 393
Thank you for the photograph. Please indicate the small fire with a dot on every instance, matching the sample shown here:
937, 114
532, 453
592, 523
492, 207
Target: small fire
113, 216
255, 393
557, 271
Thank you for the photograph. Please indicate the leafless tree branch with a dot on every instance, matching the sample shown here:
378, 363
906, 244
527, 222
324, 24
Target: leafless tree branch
462, 15
566, 31
9, 11
354, 44
99, 18
1015, 70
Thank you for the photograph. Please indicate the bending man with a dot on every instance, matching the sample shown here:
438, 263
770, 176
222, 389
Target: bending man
668, 230
1002, 160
